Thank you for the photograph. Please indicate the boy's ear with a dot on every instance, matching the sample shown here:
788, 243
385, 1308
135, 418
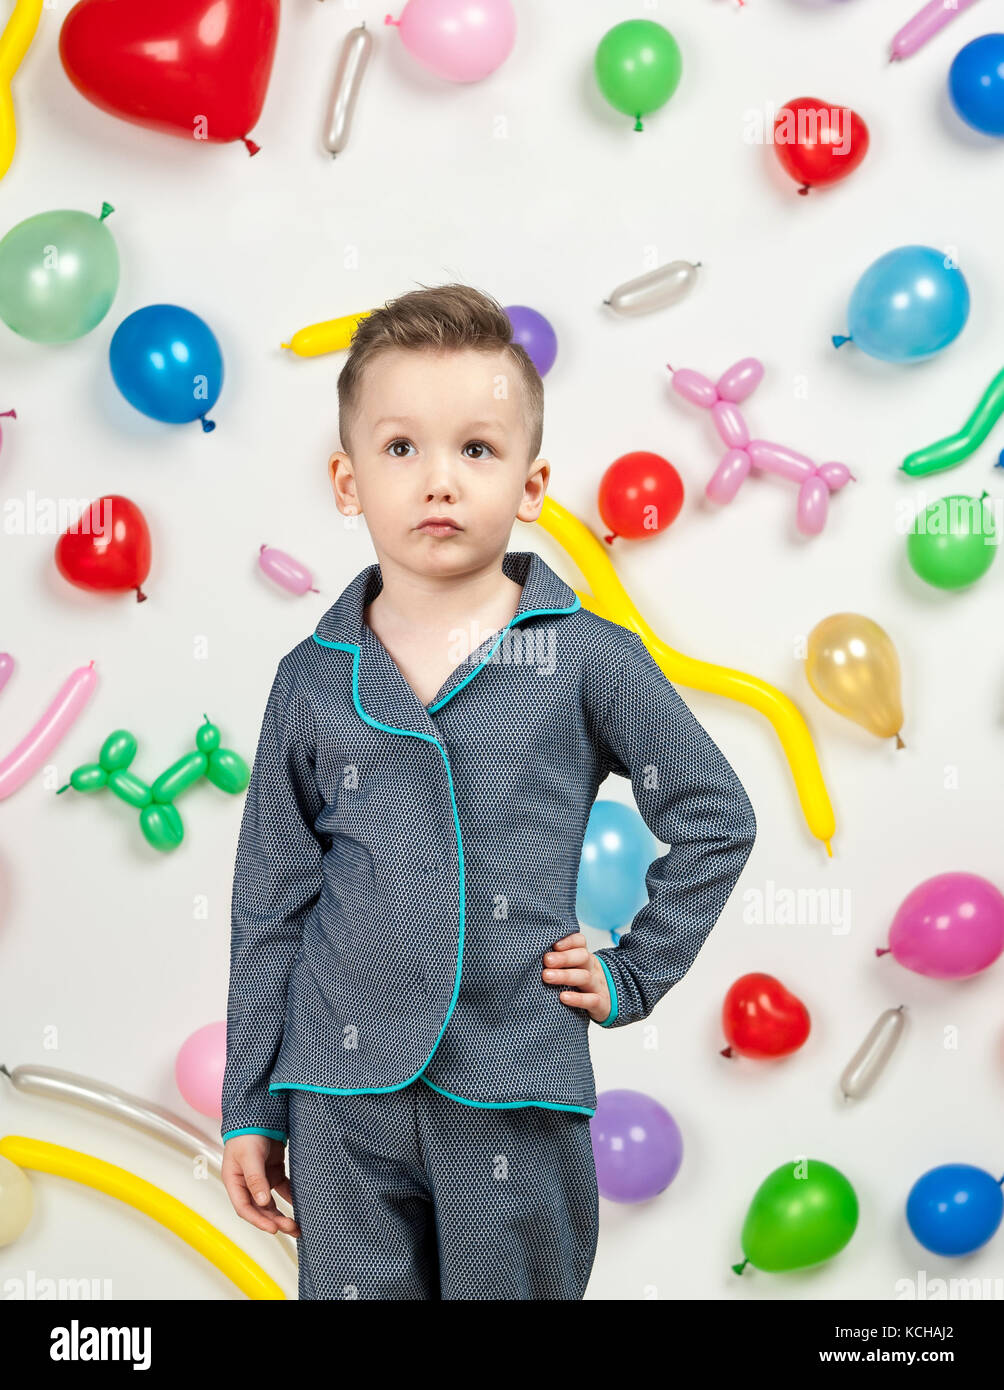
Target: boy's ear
534, 490
343, 482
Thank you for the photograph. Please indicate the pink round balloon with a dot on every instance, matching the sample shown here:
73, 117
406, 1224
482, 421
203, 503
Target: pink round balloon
462, 40
951, 926
199, 1069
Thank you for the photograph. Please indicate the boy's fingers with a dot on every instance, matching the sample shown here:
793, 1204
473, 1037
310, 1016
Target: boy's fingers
245, 1208
568, 977
576, 999
576, 939
575, 955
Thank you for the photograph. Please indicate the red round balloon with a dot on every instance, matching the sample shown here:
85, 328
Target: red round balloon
196, 68
762, 1019
640, 494
817, 143
108, 548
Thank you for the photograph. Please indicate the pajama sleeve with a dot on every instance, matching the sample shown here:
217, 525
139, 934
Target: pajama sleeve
277, 880
692, 800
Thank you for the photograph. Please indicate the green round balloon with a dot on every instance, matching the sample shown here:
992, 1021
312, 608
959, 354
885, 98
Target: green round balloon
638, 67
801, 1214
59, 272
953, 541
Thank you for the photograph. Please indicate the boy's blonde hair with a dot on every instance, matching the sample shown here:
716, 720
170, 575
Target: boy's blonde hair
440, 318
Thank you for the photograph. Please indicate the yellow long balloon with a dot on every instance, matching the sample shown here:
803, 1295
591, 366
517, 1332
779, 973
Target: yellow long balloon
609, 599
14, 44
333, 335
43, 1157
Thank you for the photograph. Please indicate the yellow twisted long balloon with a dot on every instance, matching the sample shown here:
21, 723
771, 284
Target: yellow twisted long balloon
14, 44
609, 599
249, 1277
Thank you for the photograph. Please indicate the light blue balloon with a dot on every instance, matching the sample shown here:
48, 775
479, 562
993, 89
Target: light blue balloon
167, 363
616, 853
908, 305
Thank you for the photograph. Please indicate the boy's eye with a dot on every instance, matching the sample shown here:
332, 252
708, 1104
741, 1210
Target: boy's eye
394, 444
479, 444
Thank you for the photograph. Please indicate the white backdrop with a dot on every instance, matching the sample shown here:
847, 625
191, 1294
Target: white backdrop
528, 186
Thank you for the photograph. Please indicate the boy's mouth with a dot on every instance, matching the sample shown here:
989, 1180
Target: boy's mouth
438, 526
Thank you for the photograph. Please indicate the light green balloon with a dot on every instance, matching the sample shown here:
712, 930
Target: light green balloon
953, 541
59, 272
638, 67
801, 1214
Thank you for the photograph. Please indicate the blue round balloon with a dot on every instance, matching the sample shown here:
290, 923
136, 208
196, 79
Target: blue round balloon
954, 1209
616, 853
976, 84
167, 363
908, 305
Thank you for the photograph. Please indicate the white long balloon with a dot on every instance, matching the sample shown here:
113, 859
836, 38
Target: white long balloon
155, 1120
657, 289
352, 61
864, 1067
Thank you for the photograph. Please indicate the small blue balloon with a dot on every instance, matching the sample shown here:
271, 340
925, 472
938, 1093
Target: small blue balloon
167, 363
908, 305
976, 84
616, 853
954, 1209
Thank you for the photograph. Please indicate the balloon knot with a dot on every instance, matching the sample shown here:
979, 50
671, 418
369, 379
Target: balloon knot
882, 950
638, 124
899, 742
106, 210
739, 1268
207, 425
11, 413
726, 1052
389, 19
60, 790
838, 339
252, 148
803, 190
140, 596
610, 538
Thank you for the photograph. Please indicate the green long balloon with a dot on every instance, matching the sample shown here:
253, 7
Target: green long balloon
946, 453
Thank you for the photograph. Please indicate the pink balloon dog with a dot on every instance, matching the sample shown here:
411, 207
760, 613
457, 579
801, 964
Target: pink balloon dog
742, 453
951, 926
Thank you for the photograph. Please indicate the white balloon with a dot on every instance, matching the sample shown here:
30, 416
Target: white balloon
657, 289
864, 1067
351, 65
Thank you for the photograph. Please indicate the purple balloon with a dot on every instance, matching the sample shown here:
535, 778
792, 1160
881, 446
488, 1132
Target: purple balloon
951, 926
637, 1145
533, 332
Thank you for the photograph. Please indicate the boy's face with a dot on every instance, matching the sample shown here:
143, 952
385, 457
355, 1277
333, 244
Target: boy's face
440, 434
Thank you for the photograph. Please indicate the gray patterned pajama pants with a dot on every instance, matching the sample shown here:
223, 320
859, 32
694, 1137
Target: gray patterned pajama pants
411, 1195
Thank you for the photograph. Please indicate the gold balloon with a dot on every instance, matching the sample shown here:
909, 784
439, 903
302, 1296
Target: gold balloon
853, 667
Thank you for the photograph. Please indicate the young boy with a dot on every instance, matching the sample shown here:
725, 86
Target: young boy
410, 996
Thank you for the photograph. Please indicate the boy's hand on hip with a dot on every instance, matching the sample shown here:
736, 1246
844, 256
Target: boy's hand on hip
584, 982
253, 1165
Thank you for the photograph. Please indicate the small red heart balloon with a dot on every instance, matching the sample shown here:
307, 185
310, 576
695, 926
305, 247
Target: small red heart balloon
817, 143
107, 548
640, 494
197, 68
761, 1018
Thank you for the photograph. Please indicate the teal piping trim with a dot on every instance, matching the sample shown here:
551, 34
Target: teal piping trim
271, 1133
412, 733
606, 1022
510, 1104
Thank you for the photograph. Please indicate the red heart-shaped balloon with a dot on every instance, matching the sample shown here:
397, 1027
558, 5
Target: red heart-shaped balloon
197, 68
108, 547
761, 1018
817, 143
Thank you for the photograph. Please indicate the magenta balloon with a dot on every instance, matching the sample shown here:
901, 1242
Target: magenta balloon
813, 503
695, 387
728, 477
777, 458
284, 570
637, 1145
741, 380
730, 425
951, 926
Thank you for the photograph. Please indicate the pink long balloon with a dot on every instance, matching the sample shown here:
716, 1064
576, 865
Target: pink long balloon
6, 668
13, 416
924, 25
285, 571
29, 755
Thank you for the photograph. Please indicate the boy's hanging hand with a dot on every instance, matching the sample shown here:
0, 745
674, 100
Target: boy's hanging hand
572, 965
254, 1166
